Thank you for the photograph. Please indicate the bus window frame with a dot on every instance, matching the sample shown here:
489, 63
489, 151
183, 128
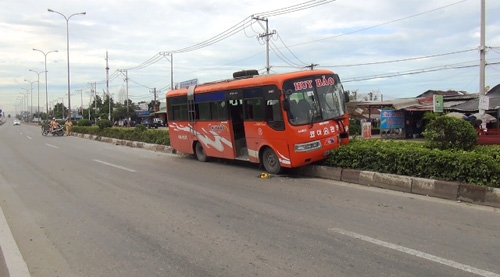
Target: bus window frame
264, 94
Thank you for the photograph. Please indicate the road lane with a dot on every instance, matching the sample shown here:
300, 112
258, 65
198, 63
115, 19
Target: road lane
175, 216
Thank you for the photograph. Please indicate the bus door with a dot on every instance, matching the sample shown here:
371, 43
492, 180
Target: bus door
235, 106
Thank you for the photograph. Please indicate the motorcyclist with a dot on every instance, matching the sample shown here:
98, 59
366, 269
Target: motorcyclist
53, 124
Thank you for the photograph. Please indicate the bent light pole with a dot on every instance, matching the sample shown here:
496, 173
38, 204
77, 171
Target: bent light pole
46, 93
67, 52
31, 92
38, 105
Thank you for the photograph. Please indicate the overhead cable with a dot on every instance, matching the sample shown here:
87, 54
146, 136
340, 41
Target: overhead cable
381, 24
404, 60
412, 72
294, 8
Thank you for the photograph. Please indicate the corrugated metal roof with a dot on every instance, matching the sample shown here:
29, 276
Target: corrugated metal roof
430, 93
397, 104
473, 105
449, 104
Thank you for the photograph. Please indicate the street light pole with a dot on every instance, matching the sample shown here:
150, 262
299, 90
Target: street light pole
38, 105
31, 92
46, 91
26, 100
67, 52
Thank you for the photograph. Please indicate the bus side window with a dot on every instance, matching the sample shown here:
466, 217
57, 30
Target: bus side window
249, 112
274, 115
254, 109
203, 111
293, 109
218, 110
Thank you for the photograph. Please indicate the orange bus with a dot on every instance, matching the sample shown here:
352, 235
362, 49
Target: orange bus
278, 120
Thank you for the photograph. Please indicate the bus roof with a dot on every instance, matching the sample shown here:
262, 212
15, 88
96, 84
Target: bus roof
256, 80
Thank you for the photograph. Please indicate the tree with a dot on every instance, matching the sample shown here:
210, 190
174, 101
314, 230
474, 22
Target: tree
97, 103
107, 105
353, 95
372, 95
154, 106
59, 111
446, 132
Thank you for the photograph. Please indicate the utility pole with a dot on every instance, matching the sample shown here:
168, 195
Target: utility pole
312, 65
482, 56
81, 99
107, 86
165, 54
95, 101
126, 83
90, 94
171, 71
93, 92
154, 101
265, 35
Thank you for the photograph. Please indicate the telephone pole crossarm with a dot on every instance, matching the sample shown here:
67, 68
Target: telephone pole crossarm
266, 36
171, 60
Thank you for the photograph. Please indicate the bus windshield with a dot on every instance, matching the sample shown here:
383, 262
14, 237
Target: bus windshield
314, 99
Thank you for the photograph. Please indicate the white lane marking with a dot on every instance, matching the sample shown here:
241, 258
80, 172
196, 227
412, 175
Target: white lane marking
29, 137
13, 258
114, 165
50, 145
417, 253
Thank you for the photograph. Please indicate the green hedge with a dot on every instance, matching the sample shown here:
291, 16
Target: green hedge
480, 166
133, 134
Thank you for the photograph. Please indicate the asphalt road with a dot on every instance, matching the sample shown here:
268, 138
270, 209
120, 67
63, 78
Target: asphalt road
79, 207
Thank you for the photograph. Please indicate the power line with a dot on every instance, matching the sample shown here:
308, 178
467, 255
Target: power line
242, 25
226, 34
412, 72
381, 24
137, 83
279, 37
147, 63
294, 8
280, 55
405, 59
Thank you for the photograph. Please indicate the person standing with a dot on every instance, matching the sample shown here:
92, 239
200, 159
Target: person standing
68, 125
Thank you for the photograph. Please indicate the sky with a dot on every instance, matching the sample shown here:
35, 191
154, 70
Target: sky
392, 48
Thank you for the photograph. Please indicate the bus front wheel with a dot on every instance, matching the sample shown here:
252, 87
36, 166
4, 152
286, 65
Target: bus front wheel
270, 161
200, 152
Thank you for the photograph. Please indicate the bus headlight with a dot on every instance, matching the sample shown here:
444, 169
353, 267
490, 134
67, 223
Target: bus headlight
303, 147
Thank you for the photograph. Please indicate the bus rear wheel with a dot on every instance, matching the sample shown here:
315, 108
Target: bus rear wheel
270, 161
200, 152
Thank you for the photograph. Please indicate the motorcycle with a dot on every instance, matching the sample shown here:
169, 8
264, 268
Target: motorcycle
57, 131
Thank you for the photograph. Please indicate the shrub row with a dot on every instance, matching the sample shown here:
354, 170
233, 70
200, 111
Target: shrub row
133, 134
480, 166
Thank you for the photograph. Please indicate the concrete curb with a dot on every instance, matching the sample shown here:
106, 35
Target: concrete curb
480, 195
129, 143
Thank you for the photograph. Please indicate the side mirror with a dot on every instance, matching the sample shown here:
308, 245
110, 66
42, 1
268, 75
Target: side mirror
346, 96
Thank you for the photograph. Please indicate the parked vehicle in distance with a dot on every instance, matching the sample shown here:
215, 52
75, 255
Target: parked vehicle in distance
149, 123
17, 122
159, 122
124, 123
